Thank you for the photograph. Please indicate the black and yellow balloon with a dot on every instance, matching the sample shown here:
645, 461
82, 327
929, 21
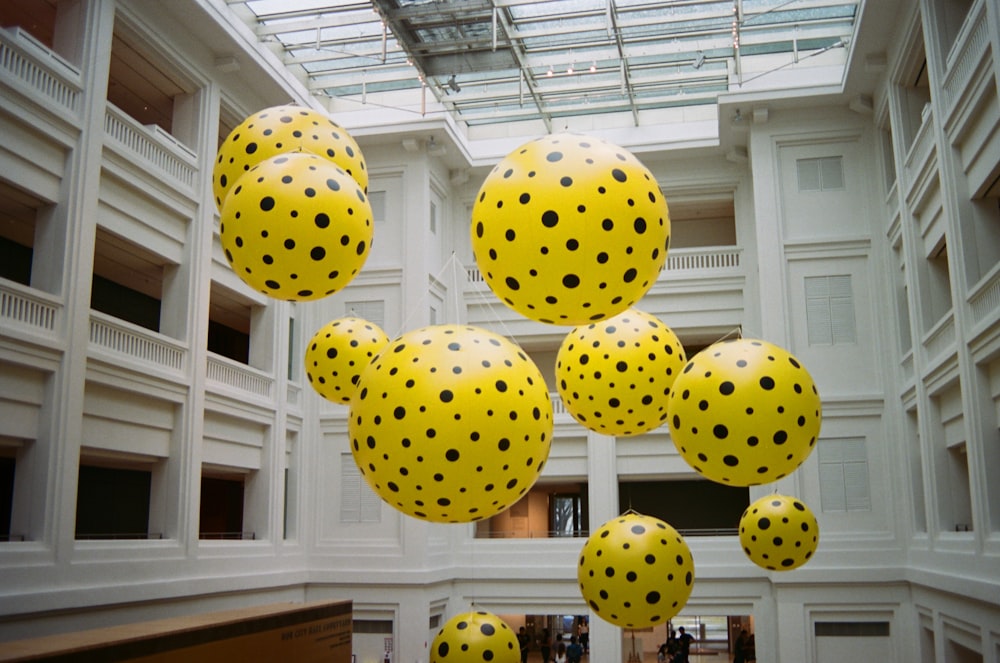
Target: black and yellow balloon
279, 130
451, 423
744, 412
635, 571
296, 227
475, 637
570, 229
614, 376
338, 352
779, 533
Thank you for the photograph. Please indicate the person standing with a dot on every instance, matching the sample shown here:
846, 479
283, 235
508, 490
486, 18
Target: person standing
585, 635
546, 646
574, 652
740, 653
523, 641
684, 645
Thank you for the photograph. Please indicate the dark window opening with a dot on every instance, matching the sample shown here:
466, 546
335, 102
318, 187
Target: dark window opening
125, 303
112, 503
221, 513
695, 506
7, 467
228, 342
15, 261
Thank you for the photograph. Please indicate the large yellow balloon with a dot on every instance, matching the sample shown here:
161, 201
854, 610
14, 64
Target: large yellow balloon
296, 227
451, 423
337, 354
569, 229
475, 637
614, 376
279, 130
779, 533
744, 412
636, 571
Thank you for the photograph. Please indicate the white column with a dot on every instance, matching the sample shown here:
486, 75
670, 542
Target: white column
72, 233
602, 493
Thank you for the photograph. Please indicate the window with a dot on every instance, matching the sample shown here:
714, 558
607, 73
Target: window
294, 360
822, 174
8, 464
433, 214
125, 303
112, 503
695, 506
229, 316
830, 310
373, 311
843, 475
566, 514
358, 502
377, 201
221, 511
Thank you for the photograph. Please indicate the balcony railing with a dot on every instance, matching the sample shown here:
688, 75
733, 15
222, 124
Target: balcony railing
970, 45
29, 62
127, 340
238, 376
34, 311
698, 259
985, 298
152, 146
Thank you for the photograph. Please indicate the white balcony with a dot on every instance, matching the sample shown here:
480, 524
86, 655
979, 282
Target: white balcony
150, 148
121, 342
29, 311
39, 72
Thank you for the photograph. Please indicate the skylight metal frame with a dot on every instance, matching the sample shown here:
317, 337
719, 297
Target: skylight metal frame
626, 56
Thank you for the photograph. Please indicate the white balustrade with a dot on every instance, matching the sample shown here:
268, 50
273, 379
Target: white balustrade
940, 338
678, 260
238, 376
30, 62
970, 45
152, 146
128, 340
985, 299
33, 310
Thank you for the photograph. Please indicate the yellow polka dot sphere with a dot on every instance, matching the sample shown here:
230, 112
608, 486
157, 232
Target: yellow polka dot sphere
744, 412
614, 376
279, 130
475, 637
337, 354
296, 227
451, 423
569, 229
635, 571
779, 533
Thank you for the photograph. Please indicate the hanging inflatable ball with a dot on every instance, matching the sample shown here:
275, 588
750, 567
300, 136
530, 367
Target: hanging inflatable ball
779, 533
474, 637
744, 412
569, 230
280, 130
296, 227
451, 423
614, 376
635, 571
338, 352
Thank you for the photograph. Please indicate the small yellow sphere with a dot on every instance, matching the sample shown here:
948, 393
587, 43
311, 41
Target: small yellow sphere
296, 227
569, 229
779, 533
474, 637
636, 571
337, 354
614, 376
744, 412
451, 423
284, 129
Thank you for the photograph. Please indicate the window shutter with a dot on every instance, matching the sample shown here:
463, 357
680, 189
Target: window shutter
350, 490
372, 311
377, 200
808, 172
830, 310
843, 475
